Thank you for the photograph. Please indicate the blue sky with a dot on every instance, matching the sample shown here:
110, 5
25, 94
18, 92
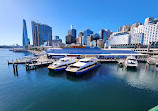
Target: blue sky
60, 14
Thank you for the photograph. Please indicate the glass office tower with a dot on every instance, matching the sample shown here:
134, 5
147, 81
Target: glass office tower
104, 34
71, 37
26, 40
42, 34
87, 32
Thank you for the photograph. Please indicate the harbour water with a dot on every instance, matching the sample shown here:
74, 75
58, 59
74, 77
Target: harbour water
108, 88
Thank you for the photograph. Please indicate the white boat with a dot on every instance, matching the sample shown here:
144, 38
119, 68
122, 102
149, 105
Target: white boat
152, 60
156, 63
83, 65
62, 63
131, 62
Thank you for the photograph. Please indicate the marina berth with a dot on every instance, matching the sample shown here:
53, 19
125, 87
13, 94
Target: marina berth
131, 62
62, 63
83, 66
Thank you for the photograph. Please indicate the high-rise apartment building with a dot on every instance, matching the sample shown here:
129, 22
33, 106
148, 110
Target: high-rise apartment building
148, 20
119, 29
71, 37
135, 25
42, 34
26, 40
145, 34
124, 29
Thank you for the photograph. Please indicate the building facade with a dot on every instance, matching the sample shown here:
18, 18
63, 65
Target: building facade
71, 37
104, 34
149, 33
42, 34
96, 36
93, 43
100, 43
119, 29
56, 38
137, 38
89, 39
135, 25
124, 29
26, 40
87, 32
118, 38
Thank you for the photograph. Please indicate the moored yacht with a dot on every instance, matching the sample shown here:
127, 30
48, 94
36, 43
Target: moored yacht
83, 65
131, 62
62, 63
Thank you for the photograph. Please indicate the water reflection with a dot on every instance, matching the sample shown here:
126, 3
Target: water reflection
74, 78
145, 77
57, 74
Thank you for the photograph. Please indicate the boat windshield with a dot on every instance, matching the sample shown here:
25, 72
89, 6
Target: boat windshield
64, 60
74, 67
132, 59
84, 61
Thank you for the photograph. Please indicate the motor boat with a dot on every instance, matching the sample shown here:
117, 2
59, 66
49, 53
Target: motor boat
152, 60
131, 62
62, 63
83, 65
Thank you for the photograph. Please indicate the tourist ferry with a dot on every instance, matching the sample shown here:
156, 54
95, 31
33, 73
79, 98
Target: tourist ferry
62, 63
83, 65
131, 62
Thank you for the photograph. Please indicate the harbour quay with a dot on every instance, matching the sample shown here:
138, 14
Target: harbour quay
104, 55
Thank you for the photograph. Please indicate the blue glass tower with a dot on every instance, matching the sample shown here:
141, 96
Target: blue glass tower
26, 40
104, 34
87, 32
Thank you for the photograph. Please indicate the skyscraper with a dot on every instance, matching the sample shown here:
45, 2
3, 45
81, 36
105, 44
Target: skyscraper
148, 20
26, 40
71, 37
42, 34
56, 38
104, 34
87, 32
96, 36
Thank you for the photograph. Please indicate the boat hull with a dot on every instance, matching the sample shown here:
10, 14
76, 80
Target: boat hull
83, 72
57, 69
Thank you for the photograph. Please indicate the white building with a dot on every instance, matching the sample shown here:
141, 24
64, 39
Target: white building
137, 38
118, 38
89, 39
147, 34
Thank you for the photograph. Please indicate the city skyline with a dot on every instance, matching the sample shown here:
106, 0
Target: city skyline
83, 18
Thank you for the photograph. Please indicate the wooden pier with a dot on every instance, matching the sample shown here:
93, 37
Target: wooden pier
38, 64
